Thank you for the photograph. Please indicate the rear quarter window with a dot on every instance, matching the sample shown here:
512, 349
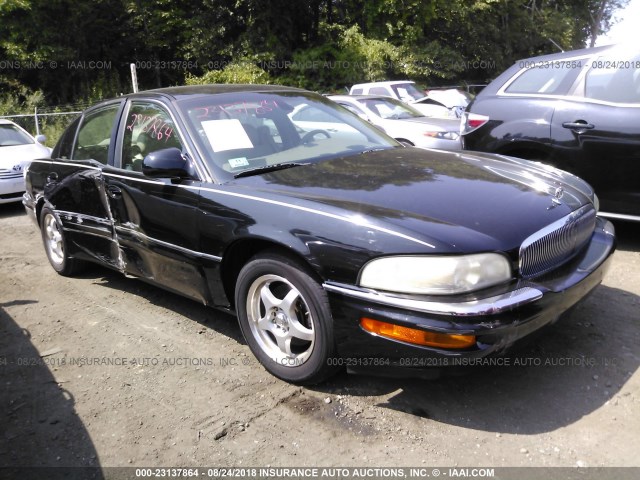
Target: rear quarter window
548, 78
614, 80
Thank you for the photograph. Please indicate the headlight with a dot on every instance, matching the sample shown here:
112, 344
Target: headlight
432, 275
596, 202
443, 135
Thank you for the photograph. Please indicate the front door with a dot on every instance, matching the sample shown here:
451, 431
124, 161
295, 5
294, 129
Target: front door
155, 219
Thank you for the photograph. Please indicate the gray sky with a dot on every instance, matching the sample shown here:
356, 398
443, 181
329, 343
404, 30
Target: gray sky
626, 30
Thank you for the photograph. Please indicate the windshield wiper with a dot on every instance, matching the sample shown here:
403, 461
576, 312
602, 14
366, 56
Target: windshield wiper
268, 168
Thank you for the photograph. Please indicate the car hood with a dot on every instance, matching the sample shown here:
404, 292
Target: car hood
22, 154
457, 201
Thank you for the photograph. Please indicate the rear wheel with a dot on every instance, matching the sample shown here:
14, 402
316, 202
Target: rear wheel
285, 318
56, 246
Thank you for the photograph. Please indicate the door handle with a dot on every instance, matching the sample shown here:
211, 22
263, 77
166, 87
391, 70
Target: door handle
52, 177
114, 192
578, 125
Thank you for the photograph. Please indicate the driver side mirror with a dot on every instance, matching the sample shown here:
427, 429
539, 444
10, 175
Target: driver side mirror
166, 163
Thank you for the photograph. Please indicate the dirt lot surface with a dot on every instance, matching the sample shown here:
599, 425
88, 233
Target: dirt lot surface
104, 370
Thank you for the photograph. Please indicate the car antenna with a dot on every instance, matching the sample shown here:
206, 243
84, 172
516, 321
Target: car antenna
558, 46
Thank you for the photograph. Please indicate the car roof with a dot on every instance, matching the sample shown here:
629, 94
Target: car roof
583, 52
213, 89
360, 97
387, 82
181, 92
4, 121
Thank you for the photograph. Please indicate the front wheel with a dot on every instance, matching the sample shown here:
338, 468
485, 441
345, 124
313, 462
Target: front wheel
56, 246
285, 318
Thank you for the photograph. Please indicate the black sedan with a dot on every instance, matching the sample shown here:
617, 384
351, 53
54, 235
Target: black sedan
334, 249
578, 111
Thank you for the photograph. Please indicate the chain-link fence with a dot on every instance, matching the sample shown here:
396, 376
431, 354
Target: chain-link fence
47, 123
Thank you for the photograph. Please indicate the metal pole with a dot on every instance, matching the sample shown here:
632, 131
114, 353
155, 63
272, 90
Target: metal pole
134, 78
35, 117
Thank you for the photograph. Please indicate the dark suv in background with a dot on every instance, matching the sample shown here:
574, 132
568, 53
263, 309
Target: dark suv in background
578, 111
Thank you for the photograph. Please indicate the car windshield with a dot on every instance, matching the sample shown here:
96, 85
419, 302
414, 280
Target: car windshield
244, 132
390, 108
11, 135
408, 92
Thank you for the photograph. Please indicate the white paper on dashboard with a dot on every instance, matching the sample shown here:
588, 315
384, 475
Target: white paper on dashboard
227, 134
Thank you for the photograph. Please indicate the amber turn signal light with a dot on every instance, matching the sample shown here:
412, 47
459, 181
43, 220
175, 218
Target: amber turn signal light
417, 337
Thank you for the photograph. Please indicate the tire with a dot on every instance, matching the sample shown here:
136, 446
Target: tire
55, 244
285, 318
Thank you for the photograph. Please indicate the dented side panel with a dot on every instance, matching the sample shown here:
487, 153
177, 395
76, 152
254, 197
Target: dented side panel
76, 193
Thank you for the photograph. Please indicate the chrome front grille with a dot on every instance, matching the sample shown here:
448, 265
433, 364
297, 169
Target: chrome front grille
556, 244
6, 174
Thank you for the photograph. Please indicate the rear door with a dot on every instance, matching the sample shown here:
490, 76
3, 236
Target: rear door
74, 186
597, 136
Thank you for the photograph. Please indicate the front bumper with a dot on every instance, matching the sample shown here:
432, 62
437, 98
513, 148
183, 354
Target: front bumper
11, 189
497, 321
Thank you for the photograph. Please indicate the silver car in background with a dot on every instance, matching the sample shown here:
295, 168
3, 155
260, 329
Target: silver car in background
403, 122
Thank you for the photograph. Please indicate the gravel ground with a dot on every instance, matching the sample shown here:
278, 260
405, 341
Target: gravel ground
100, 370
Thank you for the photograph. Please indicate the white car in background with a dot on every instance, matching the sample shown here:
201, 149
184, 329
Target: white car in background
317, 124
17, 150
403, 122
446, 103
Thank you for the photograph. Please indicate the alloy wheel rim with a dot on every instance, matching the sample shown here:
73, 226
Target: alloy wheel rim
280, 320
54, 242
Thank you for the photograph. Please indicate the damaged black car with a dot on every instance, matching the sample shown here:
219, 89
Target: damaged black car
334, 245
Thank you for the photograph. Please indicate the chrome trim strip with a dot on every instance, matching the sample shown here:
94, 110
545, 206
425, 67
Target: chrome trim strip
311, 210
620, 216
82, 216
119, 228
148, 239
486, 306
106, 235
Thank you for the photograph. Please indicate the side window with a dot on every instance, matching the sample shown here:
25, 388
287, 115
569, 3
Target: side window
552, 78
63, 148
356, 91
613, 80
94, 136
378, 91
149, 128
